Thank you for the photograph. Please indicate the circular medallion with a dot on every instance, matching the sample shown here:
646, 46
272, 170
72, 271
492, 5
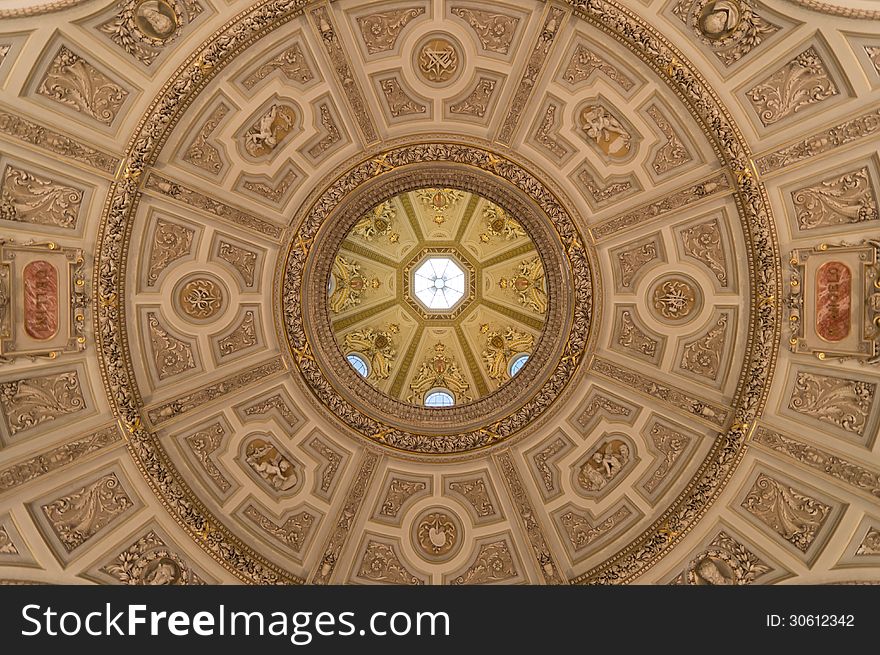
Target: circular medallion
200, 298
714, 567
157, 20
438, 60
719, 19
409, 338
675, 300
437, 534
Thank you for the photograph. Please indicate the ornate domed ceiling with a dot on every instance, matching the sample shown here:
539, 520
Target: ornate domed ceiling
440, 292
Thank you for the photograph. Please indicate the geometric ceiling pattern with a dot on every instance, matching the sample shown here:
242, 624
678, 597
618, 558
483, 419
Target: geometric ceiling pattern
671, 206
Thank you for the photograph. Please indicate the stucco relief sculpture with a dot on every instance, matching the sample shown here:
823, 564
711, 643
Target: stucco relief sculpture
241, 259
30, 402
842, 402
78, 516
269, 130
378, 222
26, 197
633, 338
839, 200
382, 564
672, 153
243, 336
143, 27
437, 535
603, 465
494, 563
75, 83
290, 62
731, 28
671, 444
725, 562
201, 298
583, 532
381, 30
201, 152
870, 544
873, 53
585, 62
349, 285
476, 103
499, 224
703, 356
399, 492
674, 299
6, 545
475, 491
495, 31
292, 532
704, 243
801, 83
399, 102
501, 346
440, 201
606, 131
204, 443
438, 61
170, 242
792, 514
171, 356
377, 346
150, 562
273, 467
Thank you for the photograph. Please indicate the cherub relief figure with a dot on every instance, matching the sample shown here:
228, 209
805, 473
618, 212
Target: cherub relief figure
608, 132
349, 284
271, 465
604, 465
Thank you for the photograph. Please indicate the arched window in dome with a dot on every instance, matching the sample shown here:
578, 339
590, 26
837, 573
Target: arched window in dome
359, 364
517, 363
439, 398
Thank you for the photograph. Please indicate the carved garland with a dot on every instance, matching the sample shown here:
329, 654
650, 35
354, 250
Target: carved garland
216, 53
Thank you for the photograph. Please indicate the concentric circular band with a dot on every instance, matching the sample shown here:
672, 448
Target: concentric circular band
365, 409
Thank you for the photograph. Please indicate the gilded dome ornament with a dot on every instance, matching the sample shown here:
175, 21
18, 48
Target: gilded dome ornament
313, 357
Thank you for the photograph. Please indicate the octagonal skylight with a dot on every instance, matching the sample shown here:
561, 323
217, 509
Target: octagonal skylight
439, 283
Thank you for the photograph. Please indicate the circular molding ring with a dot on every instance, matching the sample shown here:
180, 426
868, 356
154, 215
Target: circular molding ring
324, 224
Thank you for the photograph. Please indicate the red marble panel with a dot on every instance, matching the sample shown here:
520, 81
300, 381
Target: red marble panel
833, 301
40, 300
